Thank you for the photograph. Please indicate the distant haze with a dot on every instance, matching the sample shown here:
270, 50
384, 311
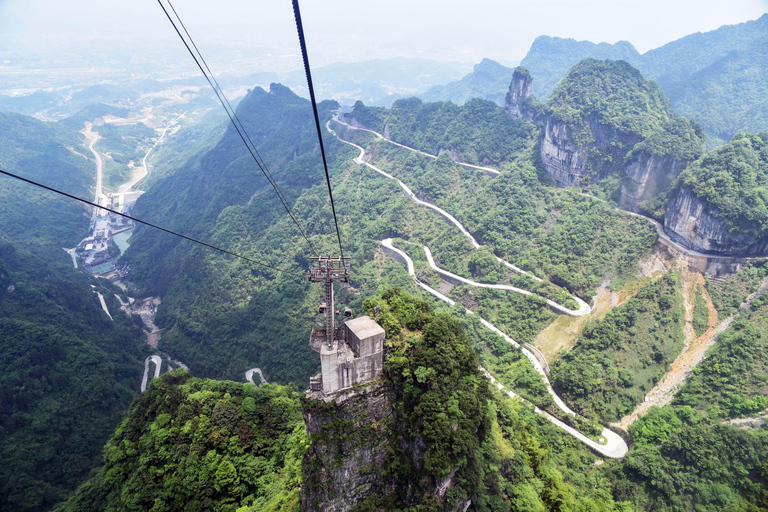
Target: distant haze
351, 30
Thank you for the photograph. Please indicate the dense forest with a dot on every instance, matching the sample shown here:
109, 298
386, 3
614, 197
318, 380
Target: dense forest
42, 221
716, 78
202, 445
69, 372
619, 358
734, 179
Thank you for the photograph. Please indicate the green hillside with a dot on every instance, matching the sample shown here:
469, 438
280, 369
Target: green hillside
201, 445
717, 78
489, 80
38, 220
67, 374
734, 179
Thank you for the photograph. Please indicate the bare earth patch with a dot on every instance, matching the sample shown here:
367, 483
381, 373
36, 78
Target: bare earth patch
694, 350
561, 335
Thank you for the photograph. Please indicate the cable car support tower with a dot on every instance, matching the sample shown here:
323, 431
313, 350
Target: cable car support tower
329, 270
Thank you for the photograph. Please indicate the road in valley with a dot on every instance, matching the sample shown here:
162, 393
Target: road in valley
158, 364
125, 187
98, 195
614, 446
249, 376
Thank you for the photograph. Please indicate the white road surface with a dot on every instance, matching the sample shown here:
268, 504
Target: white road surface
145, 170
249, 376
158, 363
104, 305
99, 197
493, 172
614, 446
584, 308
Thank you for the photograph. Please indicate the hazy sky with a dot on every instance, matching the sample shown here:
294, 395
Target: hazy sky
353, 30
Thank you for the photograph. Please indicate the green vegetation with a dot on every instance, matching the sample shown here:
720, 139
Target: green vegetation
618, 359
91, 112
520, 316
728, 296
500, 454
734, 179
571, 240
505, 361
732, 382
682, 462
716, 78
40, 220
700, 313
126, 142
67, 374
489, 80
611, 109
195, 444
479, 132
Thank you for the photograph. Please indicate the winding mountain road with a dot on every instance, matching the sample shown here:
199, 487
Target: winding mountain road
490, 171
584, 308
158, 364
614, 446
249, 376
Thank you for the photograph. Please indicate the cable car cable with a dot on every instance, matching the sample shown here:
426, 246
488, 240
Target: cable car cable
232, 116
149, 224
228, 106
300, 29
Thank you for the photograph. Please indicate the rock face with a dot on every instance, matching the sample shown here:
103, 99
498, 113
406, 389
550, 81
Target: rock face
519, 91
349, 453
645, 176
568, 162
562, 157
694, 223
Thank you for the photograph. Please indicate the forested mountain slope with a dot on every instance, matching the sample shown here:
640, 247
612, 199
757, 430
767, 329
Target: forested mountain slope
221, 315
717, 78
605, 120
45, 152
488, 81
67, 371
201, 445
196, 444
720, 203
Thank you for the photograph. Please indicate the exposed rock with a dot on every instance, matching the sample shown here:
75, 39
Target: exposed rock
695, 224
568, 162
647, 175
348, 452
519, 92
562, 157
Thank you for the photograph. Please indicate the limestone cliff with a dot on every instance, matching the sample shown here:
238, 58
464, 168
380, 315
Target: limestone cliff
605, 119
645, 176
348, 453
694, 223
519, 94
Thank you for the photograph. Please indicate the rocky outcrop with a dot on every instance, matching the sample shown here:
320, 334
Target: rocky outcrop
349, 452
563, 159
695, 224
645, 176
519, 92
569, 163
